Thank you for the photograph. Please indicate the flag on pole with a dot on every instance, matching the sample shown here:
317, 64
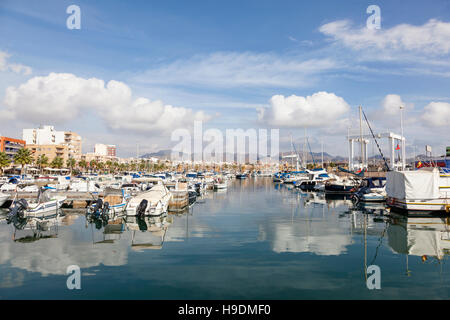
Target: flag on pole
398, 147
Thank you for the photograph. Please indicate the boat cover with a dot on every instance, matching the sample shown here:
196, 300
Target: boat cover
418, 184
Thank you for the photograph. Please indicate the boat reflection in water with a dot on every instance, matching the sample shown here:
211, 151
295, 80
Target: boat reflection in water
34, 229
147, 233
424, 237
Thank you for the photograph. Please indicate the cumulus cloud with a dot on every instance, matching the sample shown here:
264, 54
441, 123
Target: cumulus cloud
60, 97
431, 38
437, 114
14, 67
319, 109
391, 104
233, 69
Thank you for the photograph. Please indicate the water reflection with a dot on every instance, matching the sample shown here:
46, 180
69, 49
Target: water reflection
226, 241
423, 237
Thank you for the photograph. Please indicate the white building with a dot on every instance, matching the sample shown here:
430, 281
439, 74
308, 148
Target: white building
47, 135
43, 135
105, 150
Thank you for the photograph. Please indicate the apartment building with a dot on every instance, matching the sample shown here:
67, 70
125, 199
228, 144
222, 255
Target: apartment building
10, 146
47, 135
51, 151
105, 150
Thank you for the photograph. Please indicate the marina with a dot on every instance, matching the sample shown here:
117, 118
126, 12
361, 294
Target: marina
224, 150
256, 239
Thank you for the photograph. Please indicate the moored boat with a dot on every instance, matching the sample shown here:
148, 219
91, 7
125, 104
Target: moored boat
426, 190
153, 202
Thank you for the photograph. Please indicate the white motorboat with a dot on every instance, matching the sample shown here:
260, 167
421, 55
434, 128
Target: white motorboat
113, 203
46, 205
153, 202
219, 185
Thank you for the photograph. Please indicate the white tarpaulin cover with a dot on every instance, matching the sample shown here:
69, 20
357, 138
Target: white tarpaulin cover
418, 184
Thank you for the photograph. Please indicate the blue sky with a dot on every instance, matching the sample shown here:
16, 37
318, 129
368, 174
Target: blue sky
224, 61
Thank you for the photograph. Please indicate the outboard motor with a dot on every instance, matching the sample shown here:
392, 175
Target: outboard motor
18, 210
98, 207
140, 211
105, 211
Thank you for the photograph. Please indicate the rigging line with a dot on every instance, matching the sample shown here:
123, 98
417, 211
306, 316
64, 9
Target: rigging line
380, 241
309, 146
295, 149
373, 135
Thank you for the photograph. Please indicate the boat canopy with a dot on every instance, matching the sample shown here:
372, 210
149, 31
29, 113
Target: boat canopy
419, 184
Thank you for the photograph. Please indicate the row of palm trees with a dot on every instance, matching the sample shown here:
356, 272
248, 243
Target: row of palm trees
24, 157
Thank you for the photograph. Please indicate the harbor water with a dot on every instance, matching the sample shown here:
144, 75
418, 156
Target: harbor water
255, 240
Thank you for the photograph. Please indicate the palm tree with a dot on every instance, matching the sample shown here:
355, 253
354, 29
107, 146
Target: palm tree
57, 162
142, 165
109, 165
100, 166
4, 161
41, 161
82, 164
92, 164
116, 166
71, 162
23, 157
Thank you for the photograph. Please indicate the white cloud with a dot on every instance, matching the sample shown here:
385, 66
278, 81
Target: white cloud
60, 97
391, 104
232, 69
437, 114
14, 67
431, 38
319, 109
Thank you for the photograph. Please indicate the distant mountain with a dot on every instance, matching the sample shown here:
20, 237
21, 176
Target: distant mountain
161, 154
166, 155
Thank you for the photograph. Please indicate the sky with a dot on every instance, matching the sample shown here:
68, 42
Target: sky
136, 71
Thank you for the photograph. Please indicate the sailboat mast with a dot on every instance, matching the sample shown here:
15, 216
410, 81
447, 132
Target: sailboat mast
305, 155
322, 153
361, 137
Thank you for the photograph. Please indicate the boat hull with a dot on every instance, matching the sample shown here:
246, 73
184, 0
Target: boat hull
422, 205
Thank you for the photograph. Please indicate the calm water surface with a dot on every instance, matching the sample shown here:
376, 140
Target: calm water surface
257, 240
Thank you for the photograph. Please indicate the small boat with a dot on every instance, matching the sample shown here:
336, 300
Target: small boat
219, 185
45, 206
341, 186
114, 202
241, 176
372, 190
153, 202
315, 178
